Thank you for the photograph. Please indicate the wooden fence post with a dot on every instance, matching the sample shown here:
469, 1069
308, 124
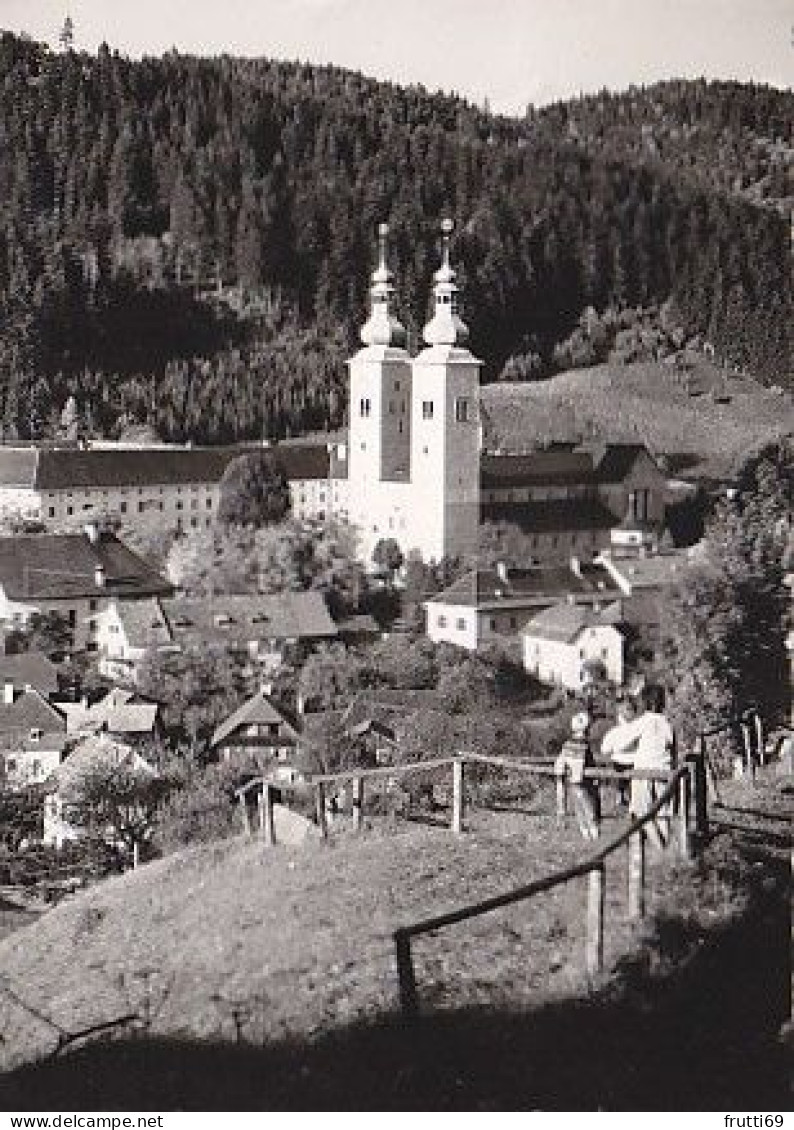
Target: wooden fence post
684, 815
701, 791
319, 808
637, 874
562, 793
409, 997
596, 888
457, 795
758, 726
358, 803
244, 813
268, 824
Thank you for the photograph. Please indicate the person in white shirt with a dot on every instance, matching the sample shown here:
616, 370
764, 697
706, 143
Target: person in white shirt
645, 742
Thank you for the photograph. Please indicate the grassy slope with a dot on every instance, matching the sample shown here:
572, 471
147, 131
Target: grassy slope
303, 935
647, 402
688, 1023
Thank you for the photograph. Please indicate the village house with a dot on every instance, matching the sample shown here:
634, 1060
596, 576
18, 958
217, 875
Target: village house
76, 576
564, 645
121, 713
487, 606
260, 626
32, 737
129, 631
261, 733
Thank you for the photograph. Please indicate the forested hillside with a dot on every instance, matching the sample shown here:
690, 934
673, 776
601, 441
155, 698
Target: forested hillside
187, 242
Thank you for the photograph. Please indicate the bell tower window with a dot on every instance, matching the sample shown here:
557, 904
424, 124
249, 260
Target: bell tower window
427, 409
365, 407
462, 410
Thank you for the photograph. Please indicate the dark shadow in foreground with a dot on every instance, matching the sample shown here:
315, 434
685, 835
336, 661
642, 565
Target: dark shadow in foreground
691, 1023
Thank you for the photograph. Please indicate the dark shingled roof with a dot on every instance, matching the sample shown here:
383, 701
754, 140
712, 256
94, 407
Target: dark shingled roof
539, 468
58, 468
29, 669
17, 466
237, 619
527, 588
54, 566
121, 466
555, 515
259, 710
30, 711
304, 461
618, 460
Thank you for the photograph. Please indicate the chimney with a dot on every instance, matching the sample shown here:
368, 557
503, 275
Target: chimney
576, 566
91, 531
100, 577
8, 694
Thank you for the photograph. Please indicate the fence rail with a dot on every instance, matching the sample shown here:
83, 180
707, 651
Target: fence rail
594, 868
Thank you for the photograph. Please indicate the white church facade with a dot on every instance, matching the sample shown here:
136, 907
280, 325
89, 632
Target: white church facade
413, 447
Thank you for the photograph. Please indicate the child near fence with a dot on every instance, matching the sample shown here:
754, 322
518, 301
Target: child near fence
575, 757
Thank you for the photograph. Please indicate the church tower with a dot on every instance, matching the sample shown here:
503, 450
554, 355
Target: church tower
379, 433
445, 428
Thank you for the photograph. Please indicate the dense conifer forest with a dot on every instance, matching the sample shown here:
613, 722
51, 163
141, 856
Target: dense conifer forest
186, 243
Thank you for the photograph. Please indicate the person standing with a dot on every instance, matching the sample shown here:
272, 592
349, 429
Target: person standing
645, 742
575, 757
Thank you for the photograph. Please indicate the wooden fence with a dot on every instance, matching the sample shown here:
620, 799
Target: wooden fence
679, 785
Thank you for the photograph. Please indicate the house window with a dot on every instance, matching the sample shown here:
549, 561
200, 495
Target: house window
442, 621
396, 386
123, 507
513, 622
427, 409
365, 407
460, 624
462, 410
51, 511
209, 504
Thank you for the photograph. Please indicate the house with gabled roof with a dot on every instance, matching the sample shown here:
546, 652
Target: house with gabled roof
632, 485
260, 732
262, 626
121, 713
563, 644
127, 632
32, 737
74, 575
491, 606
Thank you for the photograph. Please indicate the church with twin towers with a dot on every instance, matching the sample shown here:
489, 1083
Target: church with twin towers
413, 445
